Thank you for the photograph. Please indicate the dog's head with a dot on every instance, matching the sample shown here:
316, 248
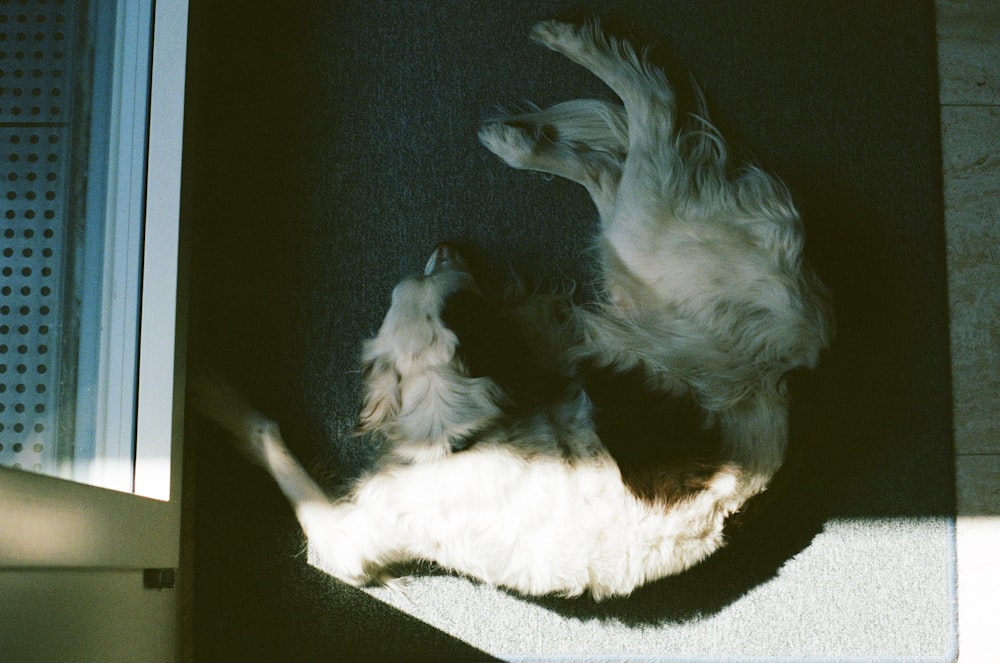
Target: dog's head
419, 389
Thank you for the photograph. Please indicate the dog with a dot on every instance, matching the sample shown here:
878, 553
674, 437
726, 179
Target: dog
556, 448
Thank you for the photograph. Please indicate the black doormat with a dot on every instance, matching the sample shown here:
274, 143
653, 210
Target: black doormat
331, 145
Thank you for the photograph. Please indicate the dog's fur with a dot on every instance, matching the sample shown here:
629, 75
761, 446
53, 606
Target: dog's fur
552, 448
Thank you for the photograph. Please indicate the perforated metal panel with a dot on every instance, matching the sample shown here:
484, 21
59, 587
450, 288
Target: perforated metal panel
38, 46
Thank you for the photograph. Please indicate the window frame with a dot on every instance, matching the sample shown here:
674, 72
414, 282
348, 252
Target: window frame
52, 522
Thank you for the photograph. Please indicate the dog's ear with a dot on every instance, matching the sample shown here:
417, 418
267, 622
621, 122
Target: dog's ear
381, 398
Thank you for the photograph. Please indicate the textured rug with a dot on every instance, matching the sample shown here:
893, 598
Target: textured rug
331, 145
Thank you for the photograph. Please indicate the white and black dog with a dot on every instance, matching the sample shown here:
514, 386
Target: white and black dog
555, 448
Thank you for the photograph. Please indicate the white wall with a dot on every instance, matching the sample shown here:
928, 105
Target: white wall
85, 615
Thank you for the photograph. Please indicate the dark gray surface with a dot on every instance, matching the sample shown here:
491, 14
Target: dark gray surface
331, 145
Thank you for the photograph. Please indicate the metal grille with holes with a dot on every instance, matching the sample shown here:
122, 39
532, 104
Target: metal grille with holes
37, 42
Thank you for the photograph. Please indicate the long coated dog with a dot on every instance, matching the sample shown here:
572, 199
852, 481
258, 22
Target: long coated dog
551, 447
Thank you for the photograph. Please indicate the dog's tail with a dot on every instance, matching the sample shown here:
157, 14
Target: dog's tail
259, 438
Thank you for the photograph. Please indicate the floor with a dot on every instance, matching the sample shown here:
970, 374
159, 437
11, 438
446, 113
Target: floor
969, 65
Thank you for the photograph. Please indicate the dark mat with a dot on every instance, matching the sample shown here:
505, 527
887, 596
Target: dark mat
331, 145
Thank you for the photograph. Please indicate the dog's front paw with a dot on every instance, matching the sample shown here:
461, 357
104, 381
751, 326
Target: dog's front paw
559, 36
512, 143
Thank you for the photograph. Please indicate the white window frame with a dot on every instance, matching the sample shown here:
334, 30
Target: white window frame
50, 522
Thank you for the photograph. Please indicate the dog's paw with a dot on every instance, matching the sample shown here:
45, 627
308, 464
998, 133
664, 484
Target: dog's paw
559, 36
512, 143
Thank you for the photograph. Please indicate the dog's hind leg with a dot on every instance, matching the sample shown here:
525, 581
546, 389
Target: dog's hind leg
584, 141
344, 541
